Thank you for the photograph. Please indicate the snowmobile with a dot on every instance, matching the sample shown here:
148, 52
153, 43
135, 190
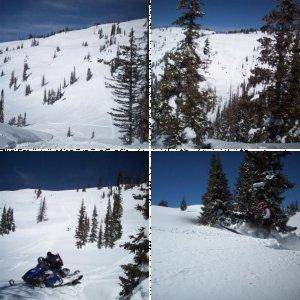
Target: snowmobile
47, 274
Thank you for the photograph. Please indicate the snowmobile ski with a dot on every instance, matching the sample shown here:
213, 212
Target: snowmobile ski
73, 282
230, 229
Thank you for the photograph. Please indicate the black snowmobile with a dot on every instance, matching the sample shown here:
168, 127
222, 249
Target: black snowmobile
49, 273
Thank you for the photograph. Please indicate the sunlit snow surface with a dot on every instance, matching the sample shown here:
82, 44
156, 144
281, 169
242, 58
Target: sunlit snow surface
200, 262
85, 104
101, 268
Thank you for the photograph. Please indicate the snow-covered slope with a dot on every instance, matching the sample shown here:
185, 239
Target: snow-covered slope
199, 262
85, 104
232, 56
101, 268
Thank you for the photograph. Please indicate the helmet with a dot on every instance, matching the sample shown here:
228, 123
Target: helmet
49, 253
262, 205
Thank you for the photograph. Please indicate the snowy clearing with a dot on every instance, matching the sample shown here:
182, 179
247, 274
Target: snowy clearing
101, 268
199, 262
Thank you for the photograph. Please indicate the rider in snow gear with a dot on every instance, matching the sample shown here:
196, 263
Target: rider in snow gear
55, 263
266, 218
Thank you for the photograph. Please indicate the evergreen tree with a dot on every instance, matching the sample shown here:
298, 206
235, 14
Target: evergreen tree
43, 81
206, 50
141, 118
108, 240
12, 79
69, 134
100, 237
183, 205
3, 224
81, 232
89, 74
163, 203
216, 195
73, 77
120, 178
143, 196
26, 68
137, 271
38, 193
93, 134
278, 74
180, 109
2, 73
28, 90
126, 90
2, 107
113, 29
42, 211
94, 228
116, 217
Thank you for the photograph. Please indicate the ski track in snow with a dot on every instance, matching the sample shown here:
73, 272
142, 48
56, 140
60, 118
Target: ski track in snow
100, 268
200, 262
87, 103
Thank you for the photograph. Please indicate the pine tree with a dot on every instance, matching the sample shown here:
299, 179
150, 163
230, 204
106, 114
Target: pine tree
73, 77
2, 107
108, 240
12, 79
80, 233
137, 271
89, 74
43, 81
100, 237
141, 118
38, 193
216, 195
267, 181
69, 134
180, 109
206, 50
3, 224
116, 217
126, 90
94, 228
275, 73
2, 73
42, 211
143, 196
113, 29
28, 90
26, 68
183, 205
93, 134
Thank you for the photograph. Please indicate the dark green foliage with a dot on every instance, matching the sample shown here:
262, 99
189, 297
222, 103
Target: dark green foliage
69, 133
143, 196
28, 90
216, 195
120, 178
81, 233
38, 193
126, 89
264, 168
183, 205
89, 74
26, 68
113, 29
2, 107
279, 74
137, 271
43, 82
41, 217
7, 223
116, 217
94, 227
13, 79
179, 108
108, 240
73, 77
100, 237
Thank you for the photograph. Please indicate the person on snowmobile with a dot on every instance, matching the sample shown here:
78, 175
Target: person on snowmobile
55, 263
266, 218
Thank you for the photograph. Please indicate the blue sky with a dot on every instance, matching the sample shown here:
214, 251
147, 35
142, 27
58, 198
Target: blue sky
178, 174
67, 170
220, 14
18, 18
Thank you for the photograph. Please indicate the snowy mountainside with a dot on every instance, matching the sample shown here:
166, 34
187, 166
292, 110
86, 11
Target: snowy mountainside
100, 267
85, 104
201, 262
232, 56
